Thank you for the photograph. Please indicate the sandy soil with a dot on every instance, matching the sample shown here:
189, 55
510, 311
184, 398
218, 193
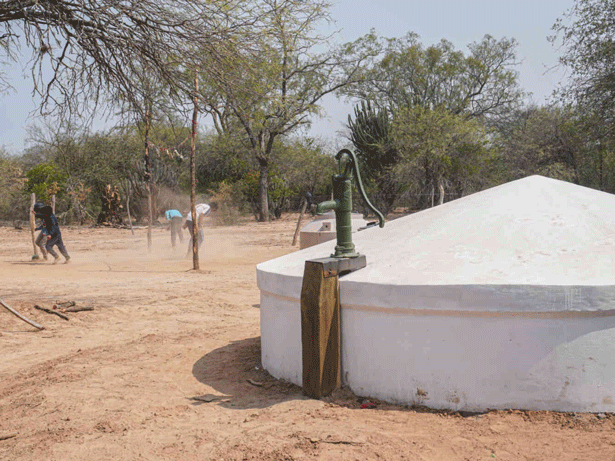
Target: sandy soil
120, 382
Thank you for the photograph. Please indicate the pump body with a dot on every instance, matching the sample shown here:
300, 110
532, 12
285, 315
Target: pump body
342, 205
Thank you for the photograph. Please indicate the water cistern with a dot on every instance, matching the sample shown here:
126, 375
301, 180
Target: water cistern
501, 299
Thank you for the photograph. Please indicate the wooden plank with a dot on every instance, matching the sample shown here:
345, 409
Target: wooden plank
320, 330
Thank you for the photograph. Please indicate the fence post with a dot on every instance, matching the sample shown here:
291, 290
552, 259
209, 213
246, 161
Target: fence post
32, 225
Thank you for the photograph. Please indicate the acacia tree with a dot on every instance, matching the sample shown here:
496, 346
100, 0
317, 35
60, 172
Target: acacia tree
276, 85
482, 83
87, 54
438, 89
587, 34
543, 140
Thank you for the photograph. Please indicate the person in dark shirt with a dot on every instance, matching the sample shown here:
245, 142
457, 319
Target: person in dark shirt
54, 236
41, 239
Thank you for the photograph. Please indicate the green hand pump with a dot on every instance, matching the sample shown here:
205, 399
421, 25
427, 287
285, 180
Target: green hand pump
342, 203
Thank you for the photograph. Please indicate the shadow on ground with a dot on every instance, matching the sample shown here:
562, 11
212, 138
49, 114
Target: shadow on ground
236, 374
239, 381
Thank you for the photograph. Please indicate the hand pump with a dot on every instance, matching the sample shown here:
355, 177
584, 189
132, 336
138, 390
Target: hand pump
320, 304
342, 203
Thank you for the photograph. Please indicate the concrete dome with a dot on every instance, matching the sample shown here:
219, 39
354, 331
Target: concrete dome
501, 299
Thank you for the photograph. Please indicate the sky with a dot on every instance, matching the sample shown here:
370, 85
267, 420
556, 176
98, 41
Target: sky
459, 21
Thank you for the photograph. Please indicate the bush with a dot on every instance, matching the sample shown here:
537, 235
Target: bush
45, 180
230, 202
13, 202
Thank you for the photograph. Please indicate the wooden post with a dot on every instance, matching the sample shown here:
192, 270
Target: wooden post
53, 204
320, 330
32, 225
195, 221
299, 221
148, 177
128, 205
320, 323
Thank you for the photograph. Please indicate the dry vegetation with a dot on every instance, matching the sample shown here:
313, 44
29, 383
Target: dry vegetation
160, 368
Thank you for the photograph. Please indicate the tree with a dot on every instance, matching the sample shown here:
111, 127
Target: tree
45, 180
438, 150
13, 202
482, 83
90, 161
440, 90
297, 166
275, 87
305, 166
549, 141
587, 34
86, 53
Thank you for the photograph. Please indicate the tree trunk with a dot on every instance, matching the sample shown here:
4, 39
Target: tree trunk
148, 180
195, 221
128, 206
263, 188
600, 185
441, 196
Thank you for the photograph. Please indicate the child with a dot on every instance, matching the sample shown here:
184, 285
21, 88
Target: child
54, 236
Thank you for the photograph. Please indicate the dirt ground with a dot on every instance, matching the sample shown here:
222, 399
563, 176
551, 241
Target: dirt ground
160, 369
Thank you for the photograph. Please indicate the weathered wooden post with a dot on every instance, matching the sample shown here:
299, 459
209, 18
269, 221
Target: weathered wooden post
320, 302
33, 225
128, 206
304, 204
53, 203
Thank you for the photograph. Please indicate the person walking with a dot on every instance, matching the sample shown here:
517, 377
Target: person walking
176, 225
41, 239
54, 236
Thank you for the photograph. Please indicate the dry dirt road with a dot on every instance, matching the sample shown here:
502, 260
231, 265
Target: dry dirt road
159, 369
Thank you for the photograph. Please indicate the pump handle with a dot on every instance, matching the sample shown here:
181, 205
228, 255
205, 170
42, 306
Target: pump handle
353, 162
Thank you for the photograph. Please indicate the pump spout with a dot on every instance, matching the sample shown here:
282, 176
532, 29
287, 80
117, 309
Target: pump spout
326, 206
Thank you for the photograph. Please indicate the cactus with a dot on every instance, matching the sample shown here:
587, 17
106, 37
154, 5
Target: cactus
372, 139
370, 135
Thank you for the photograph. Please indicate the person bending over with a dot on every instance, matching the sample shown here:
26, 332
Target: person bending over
176, 225
202, 210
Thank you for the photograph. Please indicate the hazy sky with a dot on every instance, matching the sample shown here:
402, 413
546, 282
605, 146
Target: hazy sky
459, 21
